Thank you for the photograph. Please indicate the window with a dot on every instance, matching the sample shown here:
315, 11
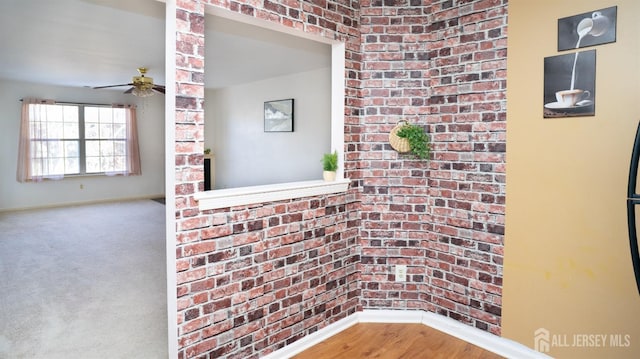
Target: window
105, 139
244, 195
60, 140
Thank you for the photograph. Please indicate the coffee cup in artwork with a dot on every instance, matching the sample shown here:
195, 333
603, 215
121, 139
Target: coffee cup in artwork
569, 98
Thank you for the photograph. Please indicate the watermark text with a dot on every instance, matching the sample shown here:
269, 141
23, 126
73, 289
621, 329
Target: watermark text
544, 340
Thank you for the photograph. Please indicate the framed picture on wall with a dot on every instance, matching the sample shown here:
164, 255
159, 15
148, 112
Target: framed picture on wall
588, 29
278, 116
570, 85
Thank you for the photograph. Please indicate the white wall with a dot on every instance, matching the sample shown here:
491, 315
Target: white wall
15, 195
245, 154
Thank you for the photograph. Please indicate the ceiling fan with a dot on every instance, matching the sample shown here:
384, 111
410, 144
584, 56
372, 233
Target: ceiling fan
142, 86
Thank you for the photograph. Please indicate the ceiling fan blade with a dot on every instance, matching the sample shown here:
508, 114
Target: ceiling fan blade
158, 88
104, 87
129, 90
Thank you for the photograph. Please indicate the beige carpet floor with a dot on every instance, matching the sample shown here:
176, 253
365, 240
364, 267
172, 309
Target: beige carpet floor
84, 282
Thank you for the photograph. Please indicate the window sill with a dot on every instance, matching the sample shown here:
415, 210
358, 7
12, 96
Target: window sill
223, 198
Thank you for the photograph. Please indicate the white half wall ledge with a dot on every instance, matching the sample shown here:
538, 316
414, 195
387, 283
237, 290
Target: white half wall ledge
493, 343
223, 198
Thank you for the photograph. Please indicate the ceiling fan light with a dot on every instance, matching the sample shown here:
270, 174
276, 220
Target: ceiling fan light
142, 92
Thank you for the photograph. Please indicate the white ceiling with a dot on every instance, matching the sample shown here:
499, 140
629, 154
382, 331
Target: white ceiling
102, 42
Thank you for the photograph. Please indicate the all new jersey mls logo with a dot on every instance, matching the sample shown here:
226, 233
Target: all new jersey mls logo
541, 340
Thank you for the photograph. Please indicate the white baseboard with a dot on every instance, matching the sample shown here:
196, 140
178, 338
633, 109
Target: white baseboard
493, 343
310, 340
390, 316
81, 203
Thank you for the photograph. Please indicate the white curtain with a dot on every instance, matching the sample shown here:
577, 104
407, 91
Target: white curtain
133, 151
32, 163
33, 127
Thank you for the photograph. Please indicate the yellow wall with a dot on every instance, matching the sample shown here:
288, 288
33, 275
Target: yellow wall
567, 264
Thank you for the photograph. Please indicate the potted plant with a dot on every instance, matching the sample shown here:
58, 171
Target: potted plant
419, 141
330, 166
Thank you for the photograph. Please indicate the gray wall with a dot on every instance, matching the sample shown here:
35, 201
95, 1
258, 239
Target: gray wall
245, 154
15, 195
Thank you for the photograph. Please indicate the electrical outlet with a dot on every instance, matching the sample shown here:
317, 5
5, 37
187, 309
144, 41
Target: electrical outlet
81, 186
401, 273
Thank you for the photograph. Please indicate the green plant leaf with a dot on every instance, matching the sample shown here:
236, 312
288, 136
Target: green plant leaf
419, 140
330, 161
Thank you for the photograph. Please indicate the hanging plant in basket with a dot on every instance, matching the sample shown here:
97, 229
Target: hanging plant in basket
406, 137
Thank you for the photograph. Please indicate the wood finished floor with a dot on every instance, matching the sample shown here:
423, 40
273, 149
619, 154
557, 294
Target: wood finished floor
394, 341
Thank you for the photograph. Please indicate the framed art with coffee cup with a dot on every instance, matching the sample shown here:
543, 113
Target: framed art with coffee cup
587, 29
570, 85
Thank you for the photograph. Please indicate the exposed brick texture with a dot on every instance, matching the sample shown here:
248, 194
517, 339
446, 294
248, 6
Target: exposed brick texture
440, 64
252, 279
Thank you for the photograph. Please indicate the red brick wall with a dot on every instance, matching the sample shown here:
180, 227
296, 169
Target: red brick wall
252, 279
440, 64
